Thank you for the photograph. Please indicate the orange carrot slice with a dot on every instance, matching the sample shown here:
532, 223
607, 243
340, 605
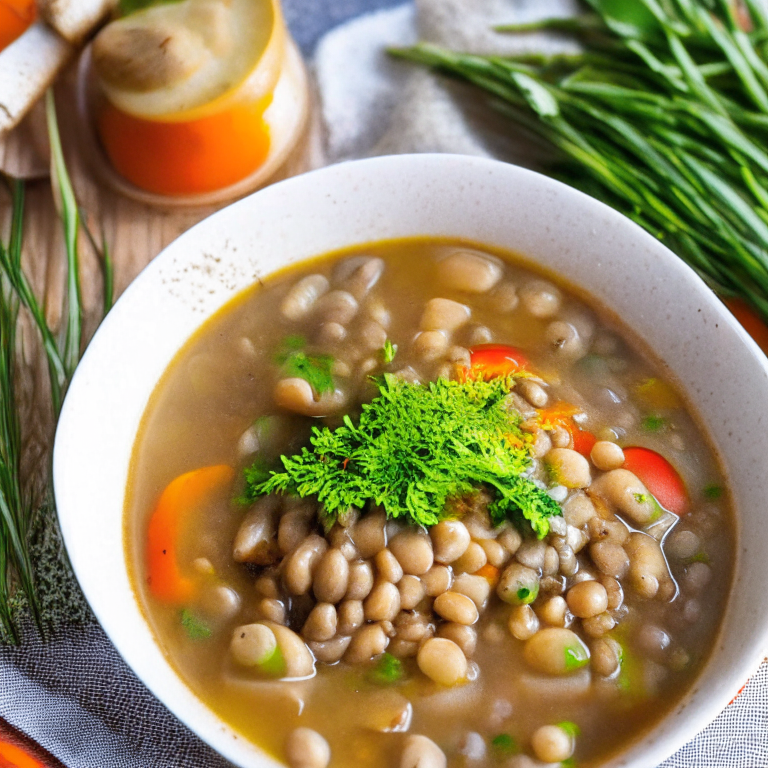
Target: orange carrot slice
15, 17
659, 476
184, 494
12, 756
488, 361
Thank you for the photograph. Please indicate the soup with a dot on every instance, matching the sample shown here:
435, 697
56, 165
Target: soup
416, 505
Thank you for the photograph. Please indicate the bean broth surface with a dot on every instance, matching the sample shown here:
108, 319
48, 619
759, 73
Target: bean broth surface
646, 644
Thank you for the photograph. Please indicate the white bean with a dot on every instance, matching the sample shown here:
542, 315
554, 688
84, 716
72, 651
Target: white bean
302, 296
305, 748
444, 315
469, 271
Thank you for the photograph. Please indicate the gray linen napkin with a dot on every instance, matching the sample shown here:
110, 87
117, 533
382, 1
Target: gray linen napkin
75, 695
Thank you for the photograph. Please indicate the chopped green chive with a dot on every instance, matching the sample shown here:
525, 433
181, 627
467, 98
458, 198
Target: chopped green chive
504, 745
699, 557
575, 657
196, 628
570, 728
654, 423
388, 670
713, 491
388, 351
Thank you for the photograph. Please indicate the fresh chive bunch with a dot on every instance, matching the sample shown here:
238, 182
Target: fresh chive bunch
664, 116
19, 507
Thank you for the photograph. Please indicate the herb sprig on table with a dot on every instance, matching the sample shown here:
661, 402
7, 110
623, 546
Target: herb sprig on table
415, 448
664, 116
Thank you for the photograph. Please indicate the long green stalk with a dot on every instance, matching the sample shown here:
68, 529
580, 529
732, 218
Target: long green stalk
664, 115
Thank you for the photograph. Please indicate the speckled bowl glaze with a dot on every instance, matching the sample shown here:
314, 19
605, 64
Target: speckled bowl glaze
591, 246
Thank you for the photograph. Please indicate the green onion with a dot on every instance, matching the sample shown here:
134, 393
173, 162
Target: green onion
388, 670
664, 116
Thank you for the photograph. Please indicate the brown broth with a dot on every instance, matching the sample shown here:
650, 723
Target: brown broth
222, 380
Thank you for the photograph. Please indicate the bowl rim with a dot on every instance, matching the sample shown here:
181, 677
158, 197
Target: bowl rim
136, 651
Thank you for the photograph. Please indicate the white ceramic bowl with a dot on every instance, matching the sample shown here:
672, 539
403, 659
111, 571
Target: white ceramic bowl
591, 246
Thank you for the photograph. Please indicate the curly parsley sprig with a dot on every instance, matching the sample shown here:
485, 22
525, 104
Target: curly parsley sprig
413, 449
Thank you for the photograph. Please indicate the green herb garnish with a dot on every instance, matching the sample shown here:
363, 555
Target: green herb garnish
196, 628
414, 448
388, 351
127, 7
388, 670
654, 423
713, 491
295, 362
575, 657
699, 557
503, 746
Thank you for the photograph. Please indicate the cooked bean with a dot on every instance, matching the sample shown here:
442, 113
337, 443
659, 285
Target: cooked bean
568, 562
302, 296
256, 539
476, 588
413, 550
321, 623
566, 340
437, 580
601, 529
350, 616
470, 272
624, 493
412, 626
682, 544
388, 567
368, 534
450, 539
652, 640
412, 592
647, 566
518, 585
337, 307
456, 607
696, 577
556, 651
403, 649
606, 455
614, 591
561, 438
495, 553
331, 651
270, 609
551, 744
383, 602
605, 656
297, 395
540, 298
568, 467
266, 586
301, 563
298, 660
531, 553
480, 334
504, 298
610, 558
367, 642
597, 626
372, 336
203, 566
429, 345
553, 611
534, 393
443, 661
578, 510
253, 645
364, 276
444, 315
421, 752
360, 580
523, 622
510, 539
305, 748
551, 562
295, 526
542, 444
473, 559
588, 598
221, 601
331, 578
576, 538
331, 333
462, 634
